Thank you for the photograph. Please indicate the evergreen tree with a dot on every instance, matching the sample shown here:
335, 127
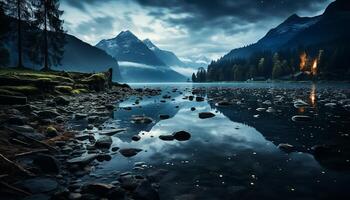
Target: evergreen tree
19, 9
51, 40
194, 79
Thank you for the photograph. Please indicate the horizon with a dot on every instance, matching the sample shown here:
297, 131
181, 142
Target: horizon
176, 27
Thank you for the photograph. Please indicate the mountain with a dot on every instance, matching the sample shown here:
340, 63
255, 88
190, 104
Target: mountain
82, 57
298, 31
78, 55
168, 57
139, 62
127, 47
185, 66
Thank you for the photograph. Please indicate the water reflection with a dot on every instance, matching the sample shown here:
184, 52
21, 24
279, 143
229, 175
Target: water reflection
232, 155
313, 95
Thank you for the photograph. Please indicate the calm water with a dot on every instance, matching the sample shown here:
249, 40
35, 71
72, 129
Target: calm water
234, 155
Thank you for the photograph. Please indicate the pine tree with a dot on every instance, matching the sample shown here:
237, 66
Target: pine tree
51, 40
21, 10
194, 79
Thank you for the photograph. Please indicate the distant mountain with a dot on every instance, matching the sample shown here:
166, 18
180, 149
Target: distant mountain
127, 47
185, 66
168, 57
302, 31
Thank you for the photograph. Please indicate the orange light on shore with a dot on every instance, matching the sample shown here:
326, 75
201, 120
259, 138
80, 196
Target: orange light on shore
303, 59
314, 67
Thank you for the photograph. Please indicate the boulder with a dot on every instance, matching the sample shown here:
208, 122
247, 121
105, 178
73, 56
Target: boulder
129, 152
104, 142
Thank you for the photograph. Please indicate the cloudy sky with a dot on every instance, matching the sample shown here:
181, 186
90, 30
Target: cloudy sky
187, 27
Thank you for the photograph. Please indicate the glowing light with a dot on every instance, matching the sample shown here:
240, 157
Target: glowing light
314, 67
303, 59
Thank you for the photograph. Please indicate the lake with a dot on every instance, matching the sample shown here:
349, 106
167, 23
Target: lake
235, 154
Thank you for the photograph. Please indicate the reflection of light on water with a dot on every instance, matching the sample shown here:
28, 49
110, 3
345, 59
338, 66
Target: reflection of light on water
312, 96
301, 110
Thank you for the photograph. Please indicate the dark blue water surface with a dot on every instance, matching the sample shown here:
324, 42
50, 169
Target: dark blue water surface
234, 155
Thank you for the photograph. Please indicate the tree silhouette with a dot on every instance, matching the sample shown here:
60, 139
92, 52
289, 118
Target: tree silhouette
20, 9
51, 40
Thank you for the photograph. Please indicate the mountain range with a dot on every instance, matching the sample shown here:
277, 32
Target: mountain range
298, 31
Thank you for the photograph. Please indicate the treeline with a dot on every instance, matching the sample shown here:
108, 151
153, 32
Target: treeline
36, 29
322, 61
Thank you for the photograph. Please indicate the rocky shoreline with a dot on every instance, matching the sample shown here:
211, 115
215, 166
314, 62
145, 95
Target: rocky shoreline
47, 143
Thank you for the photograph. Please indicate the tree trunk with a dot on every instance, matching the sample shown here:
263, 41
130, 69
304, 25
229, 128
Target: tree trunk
46, 64
19, 43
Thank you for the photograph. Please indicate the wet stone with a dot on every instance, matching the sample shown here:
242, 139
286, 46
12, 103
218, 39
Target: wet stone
166, 137
129, 152
182, 136
301, 118
205, 115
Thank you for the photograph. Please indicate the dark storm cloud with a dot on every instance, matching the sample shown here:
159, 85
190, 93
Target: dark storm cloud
226, 13
80, 4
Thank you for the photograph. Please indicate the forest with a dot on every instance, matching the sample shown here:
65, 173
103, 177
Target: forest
328, 61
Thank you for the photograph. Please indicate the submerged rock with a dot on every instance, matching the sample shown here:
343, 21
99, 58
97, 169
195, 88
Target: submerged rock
142, 120
301, 118
129, 152
223, 103
182, 136
136, 138
205, 115
288, 148
164, 116
166, 137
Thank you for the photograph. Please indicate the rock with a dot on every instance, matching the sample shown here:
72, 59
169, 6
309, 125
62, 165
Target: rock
300, 103
115, 149
191, 98
199, 99
51, 131
182, 136
223, 103
142, 120
135, 137
104, 142
16, 120
129, 152
166, 137
103, 157
59, 119
330, 105
46, 163
38, 185
74, 196
48, 114
38, 197
112, 132
82, 160
164, 117
61, 101
301, 118
83, 137
288, 148
79, 116
128, 182
260, 109
205, 115
12, 100
270, 110
193, 109
99, 189
145, 191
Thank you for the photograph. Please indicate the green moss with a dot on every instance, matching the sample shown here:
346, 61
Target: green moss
30, 74
26, 90
95, 78
79, 91
64, 89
